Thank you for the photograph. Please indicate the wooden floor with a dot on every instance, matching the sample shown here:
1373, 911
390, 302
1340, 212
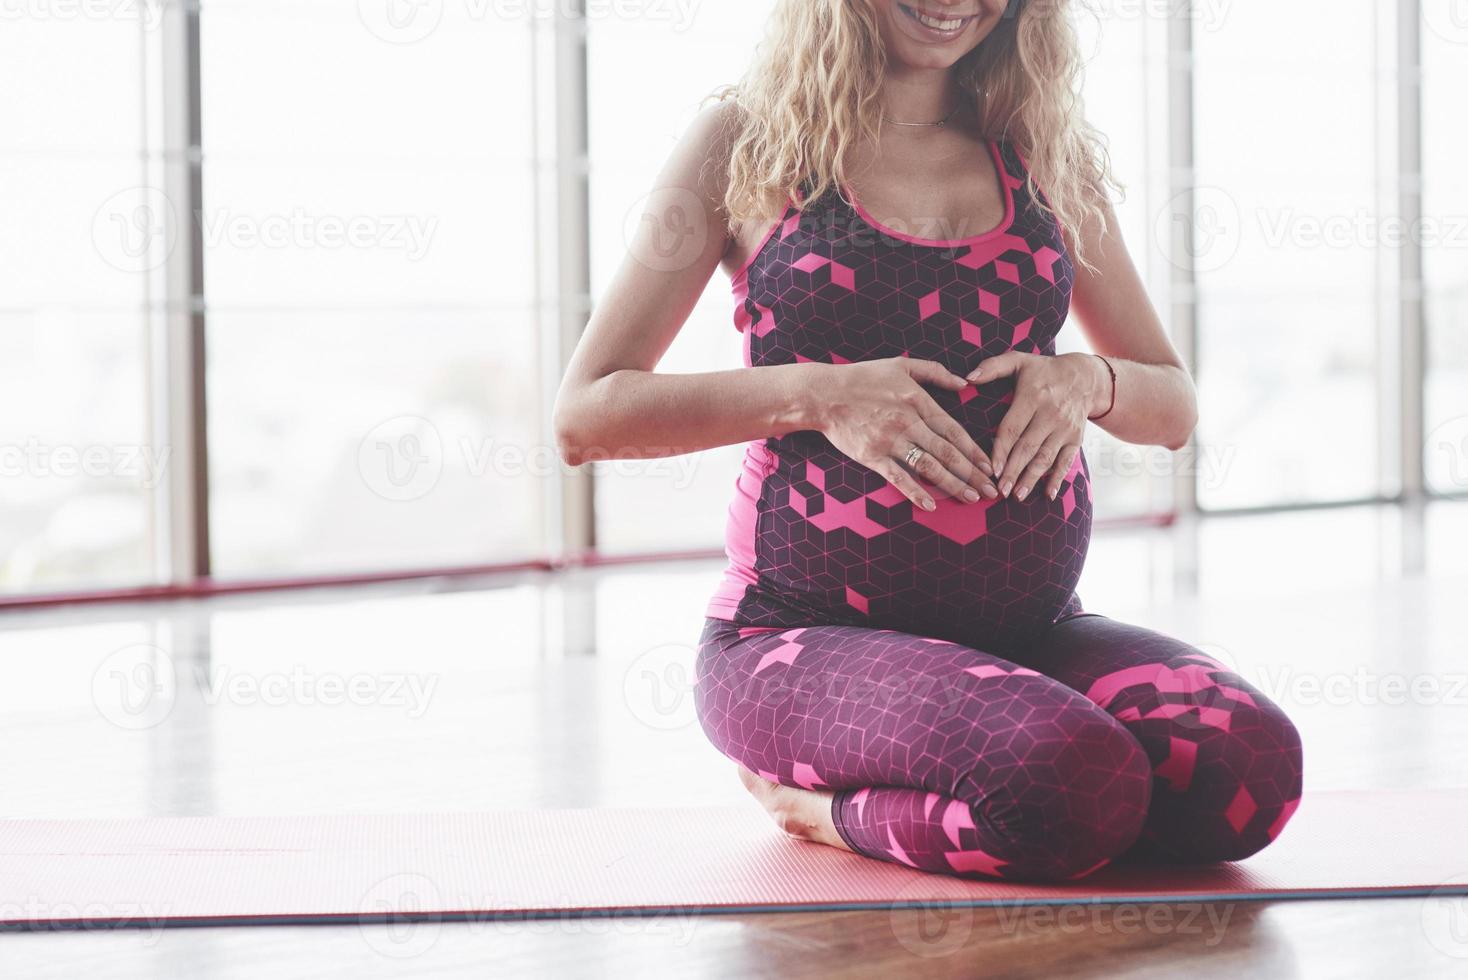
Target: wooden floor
572, 690
1366, 938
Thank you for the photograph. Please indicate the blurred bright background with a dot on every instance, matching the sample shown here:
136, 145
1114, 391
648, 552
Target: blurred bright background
353, 278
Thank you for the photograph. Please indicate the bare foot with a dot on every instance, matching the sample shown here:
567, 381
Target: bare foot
803, 813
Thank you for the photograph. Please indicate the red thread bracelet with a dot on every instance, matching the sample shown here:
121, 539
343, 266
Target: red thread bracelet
1112, 370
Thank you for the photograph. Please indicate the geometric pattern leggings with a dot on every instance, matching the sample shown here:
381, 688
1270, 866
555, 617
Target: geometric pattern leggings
1099, 741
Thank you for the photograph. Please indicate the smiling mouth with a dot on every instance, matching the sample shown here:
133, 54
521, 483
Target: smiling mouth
943, 25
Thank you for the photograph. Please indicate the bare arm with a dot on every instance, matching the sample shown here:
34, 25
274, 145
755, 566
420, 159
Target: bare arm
1156, 402
612, 404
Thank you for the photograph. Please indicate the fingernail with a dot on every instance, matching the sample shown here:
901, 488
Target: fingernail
928, 504
1005, 487
990, 492
998, 470
1051, 494
1023, 493
970, 494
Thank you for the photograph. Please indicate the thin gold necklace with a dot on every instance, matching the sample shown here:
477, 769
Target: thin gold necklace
940, 122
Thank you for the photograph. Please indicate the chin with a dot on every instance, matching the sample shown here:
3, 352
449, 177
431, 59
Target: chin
936, 33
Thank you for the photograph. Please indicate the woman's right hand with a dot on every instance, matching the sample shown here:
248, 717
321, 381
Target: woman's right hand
877, 411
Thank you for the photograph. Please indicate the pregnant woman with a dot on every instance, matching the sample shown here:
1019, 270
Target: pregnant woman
910, 204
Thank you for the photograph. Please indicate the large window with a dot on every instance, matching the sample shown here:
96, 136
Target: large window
80, 472
1444, 238
1286, 143
648, 77
386, 255
371, 240
1126, 70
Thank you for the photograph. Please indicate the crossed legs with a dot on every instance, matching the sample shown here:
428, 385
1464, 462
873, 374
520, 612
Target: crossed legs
1099, 740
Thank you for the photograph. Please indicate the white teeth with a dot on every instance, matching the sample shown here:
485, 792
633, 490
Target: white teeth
935, 23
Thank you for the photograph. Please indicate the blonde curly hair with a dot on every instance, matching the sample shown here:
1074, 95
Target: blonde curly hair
813, 92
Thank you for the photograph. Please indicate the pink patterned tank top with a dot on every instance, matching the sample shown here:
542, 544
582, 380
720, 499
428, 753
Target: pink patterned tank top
814, 537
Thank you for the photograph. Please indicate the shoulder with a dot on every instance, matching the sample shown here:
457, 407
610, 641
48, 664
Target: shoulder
709, 139
696, 172
718, 123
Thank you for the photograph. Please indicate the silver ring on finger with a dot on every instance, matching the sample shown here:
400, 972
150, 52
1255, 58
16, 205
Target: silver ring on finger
913, 455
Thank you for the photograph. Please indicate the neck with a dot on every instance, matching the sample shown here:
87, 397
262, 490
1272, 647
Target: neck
919, 96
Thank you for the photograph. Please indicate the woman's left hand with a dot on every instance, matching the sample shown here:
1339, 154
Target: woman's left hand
1042, 431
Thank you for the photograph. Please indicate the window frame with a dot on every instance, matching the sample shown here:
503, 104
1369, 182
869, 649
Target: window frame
178, 397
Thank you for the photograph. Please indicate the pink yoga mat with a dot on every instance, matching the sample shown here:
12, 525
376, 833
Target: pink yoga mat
519, 864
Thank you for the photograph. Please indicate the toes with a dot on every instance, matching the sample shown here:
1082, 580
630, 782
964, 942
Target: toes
790, 807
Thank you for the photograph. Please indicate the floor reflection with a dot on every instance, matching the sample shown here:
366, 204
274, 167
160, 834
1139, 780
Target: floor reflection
574, 689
